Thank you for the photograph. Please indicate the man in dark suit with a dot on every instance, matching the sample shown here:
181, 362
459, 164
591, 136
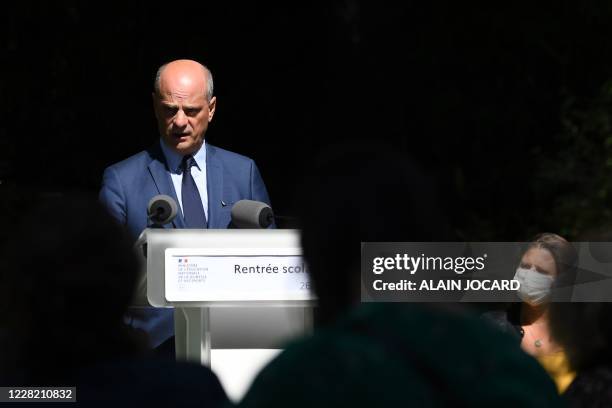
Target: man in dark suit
203, 179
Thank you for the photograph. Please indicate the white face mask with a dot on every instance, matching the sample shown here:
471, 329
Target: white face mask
535, 286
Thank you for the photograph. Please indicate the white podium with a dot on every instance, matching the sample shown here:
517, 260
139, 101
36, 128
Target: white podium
230, 289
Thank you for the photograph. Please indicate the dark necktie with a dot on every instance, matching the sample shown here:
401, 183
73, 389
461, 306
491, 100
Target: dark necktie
193, 212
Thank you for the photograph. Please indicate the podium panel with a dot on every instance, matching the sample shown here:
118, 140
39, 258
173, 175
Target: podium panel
231, 289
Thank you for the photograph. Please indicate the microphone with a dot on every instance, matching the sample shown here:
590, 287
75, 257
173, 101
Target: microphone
161, 210
251, 214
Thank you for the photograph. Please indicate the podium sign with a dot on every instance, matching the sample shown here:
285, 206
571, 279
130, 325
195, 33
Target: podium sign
226, 268
235, 274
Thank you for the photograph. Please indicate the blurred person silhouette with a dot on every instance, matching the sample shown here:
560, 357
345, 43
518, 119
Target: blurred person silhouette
584, 329
67, 279
386, 354
546, 269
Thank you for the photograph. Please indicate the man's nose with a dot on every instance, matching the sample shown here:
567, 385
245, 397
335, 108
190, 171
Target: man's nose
180, 120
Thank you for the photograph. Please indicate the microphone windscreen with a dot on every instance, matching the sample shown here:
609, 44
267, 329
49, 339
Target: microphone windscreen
162, 209
251, 214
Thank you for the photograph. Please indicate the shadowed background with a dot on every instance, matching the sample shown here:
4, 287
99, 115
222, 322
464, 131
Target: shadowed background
507, 106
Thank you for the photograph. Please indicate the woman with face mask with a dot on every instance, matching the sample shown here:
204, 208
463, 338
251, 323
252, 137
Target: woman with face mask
548, 261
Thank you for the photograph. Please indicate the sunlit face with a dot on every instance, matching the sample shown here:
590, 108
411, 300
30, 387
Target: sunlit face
182, 109
541, 260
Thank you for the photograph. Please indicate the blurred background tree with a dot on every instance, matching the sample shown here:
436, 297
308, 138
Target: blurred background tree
574, 184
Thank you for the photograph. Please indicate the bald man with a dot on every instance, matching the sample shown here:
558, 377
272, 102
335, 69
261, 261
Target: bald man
203, 179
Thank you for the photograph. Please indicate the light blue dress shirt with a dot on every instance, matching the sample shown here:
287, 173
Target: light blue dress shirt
173, 160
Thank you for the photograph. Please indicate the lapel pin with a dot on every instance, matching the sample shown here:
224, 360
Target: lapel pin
223, 203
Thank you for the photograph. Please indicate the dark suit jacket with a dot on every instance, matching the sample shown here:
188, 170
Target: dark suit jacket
147, 383
128, 186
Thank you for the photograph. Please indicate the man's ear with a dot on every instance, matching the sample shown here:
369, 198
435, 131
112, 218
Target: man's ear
212, 105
